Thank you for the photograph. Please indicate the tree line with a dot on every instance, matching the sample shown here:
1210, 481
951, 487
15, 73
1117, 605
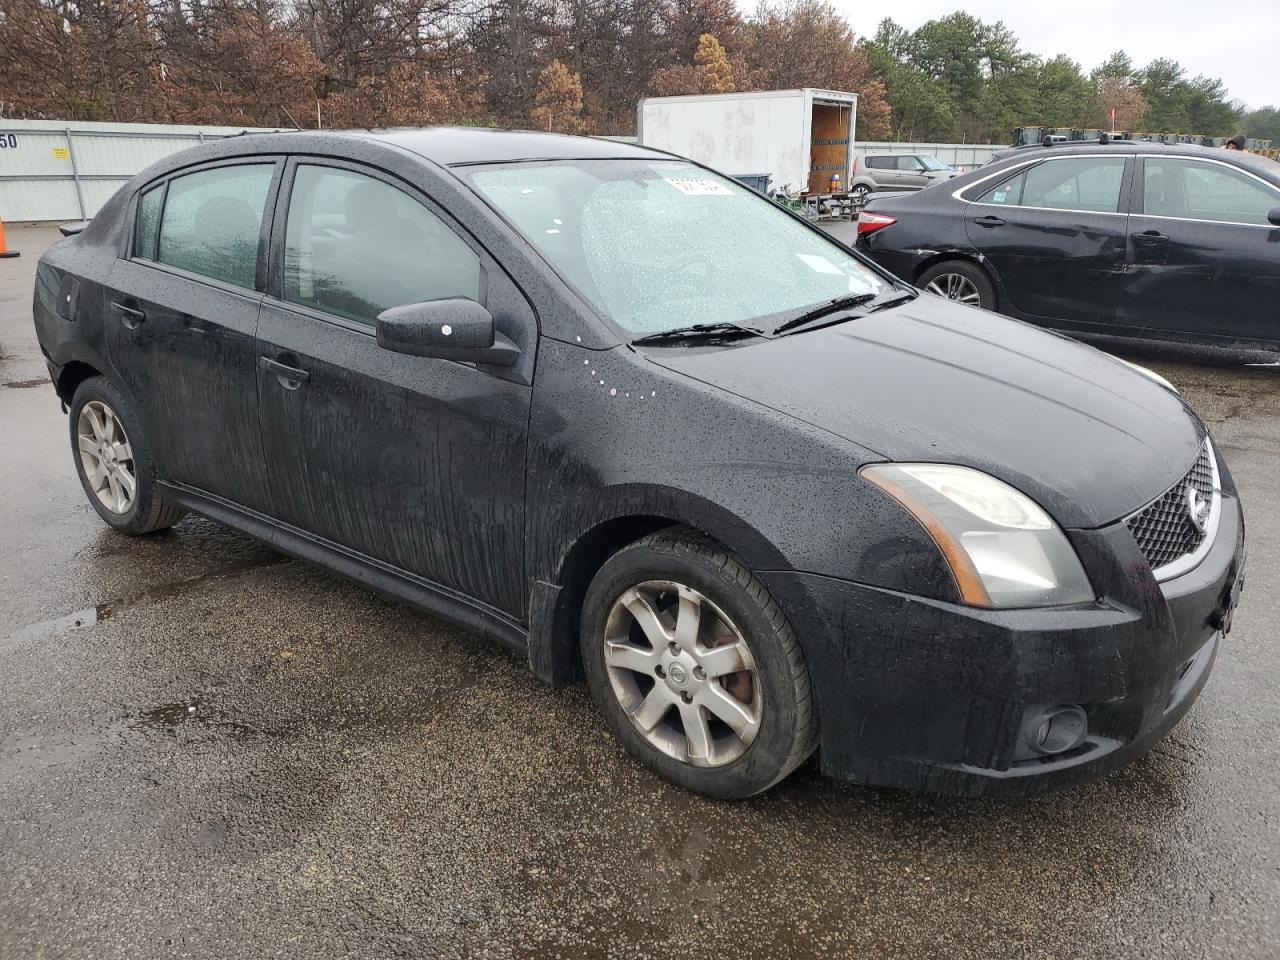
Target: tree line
571, 65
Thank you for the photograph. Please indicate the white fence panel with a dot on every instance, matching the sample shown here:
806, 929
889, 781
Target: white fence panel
53, 170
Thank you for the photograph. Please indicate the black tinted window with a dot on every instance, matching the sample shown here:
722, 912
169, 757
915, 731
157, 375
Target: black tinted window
1081, 183
212, 220
144, 244
355, 246
880, 163
1196, 190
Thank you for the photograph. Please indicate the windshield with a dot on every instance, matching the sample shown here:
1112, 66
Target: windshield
931, 162
658, 245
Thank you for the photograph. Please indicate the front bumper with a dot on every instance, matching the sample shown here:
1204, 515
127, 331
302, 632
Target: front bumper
928, 695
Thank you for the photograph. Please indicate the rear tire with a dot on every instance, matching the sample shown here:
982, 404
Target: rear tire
113, 460
720, 704
961, 281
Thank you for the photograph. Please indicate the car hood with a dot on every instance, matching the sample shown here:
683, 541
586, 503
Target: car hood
1086, 436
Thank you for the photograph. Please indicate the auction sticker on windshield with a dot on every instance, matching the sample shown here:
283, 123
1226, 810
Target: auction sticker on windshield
693, 187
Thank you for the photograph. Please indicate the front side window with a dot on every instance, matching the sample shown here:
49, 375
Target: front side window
355, 246
909, 164
931, 162
144, 244
1195, 190
1089, 184
212, 220
656, 245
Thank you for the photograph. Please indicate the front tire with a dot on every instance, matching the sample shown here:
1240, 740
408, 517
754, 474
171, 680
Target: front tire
694, 667
113, 460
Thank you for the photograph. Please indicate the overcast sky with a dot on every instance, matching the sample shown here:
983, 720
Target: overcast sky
1236, 40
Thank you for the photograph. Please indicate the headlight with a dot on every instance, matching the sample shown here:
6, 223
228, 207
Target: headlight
1003, 550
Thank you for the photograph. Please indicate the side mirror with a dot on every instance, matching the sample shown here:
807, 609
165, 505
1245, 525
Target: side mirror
454, 329
1274, 216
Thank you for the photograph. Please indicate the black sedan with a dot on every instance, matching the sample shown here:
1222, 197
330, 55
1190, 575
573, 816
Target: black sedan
641, 425
1129, 239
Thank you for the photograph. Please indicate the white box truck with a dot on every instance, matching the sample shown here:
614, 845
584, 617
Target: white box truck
800, 138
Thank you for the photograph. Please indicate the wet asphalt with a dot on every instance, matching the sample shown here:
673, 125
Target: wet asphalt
208, 750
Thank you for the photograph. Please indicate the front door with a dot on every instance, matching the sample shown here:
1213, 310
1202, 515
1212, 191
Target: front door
1055, 236
418, 463
182, 319
1203, 258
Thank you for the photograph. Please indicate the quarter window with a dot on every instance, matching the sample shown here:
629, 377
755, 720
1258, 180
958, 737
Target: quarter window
1193, 190
355, 246
144, 244
212, 220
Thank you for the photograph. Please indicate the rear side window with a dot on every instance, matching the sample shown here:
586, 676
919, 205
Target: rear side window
212, 220
355, 246
1083, 183
880, 163
1006, 194
144, 244
1193, 190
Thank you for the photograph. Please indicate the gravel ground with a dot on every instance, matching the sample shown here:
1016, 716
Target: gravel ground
208, 750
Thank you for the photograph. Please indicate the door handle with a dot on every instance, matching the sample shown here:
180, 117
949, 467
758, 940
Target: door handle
988, 221
129, 316
1150, 236
291, 378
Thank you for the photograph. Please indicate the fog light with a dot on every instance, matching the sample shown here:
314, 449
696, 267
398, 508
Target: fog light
1057, 730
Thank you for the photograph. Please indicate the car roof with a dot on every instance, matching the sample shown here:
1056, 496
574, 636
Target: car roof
1263, 166
454, 146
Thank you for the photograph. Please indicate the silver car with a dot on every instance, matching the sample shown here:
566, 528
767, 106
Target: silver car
895, 171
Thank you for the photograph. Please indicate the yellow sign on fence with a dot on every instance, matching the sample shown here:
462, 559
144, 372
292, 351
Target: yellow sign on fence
61, 153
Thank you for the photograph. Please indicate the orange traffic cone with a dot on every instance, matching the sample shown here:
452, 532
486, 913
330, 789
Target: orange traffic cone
4, 249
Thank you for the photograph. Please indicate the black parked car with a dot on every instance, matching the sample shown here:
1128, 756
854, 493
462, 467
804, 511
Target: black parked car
637, 422
1127, 238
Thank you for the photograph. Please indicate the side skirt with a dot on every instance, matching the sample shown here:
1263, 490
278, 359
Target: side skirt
378, 576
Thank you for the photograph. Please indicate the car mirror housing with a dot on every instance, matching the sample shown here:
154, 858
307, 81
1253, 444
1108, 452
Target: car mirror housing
1274, 216
452, 329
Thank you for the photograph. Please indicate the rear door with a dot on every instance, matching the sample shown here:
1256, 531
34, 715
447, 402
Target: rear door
1055, 235
182, 322
1203, 258
418, 463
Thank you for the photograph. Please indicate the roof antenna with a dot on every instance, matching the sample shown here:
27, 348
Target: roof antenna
290, 116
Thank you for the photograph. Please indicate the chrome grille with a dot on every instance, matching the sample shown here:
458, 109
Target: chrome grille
1164, 529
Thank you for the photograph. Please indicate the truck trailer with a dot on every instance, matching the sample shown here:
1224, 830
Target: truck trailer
800, 138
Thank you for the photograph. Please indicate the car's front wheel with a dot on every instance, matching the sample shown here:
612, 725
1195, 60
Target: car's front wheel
695, 668
113, 460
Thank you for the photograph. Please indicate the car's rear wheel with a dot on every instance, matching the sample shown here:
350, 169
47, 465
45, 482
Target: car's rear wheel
114, 463
960, 281
695, 668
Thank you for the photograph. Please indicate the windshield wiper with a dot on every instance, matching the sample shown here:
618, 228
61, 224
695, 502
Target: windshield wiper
698, 330
892, 302
823, 310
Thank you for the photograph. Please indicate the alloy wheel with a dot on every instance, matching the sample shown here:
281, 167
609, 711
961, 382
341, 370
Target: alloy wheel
106, 457
955, 286
683, 673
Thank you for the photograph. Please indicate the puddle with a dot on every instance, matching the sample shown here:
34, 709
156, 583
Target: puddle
168, 718
43, 629
25, 384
